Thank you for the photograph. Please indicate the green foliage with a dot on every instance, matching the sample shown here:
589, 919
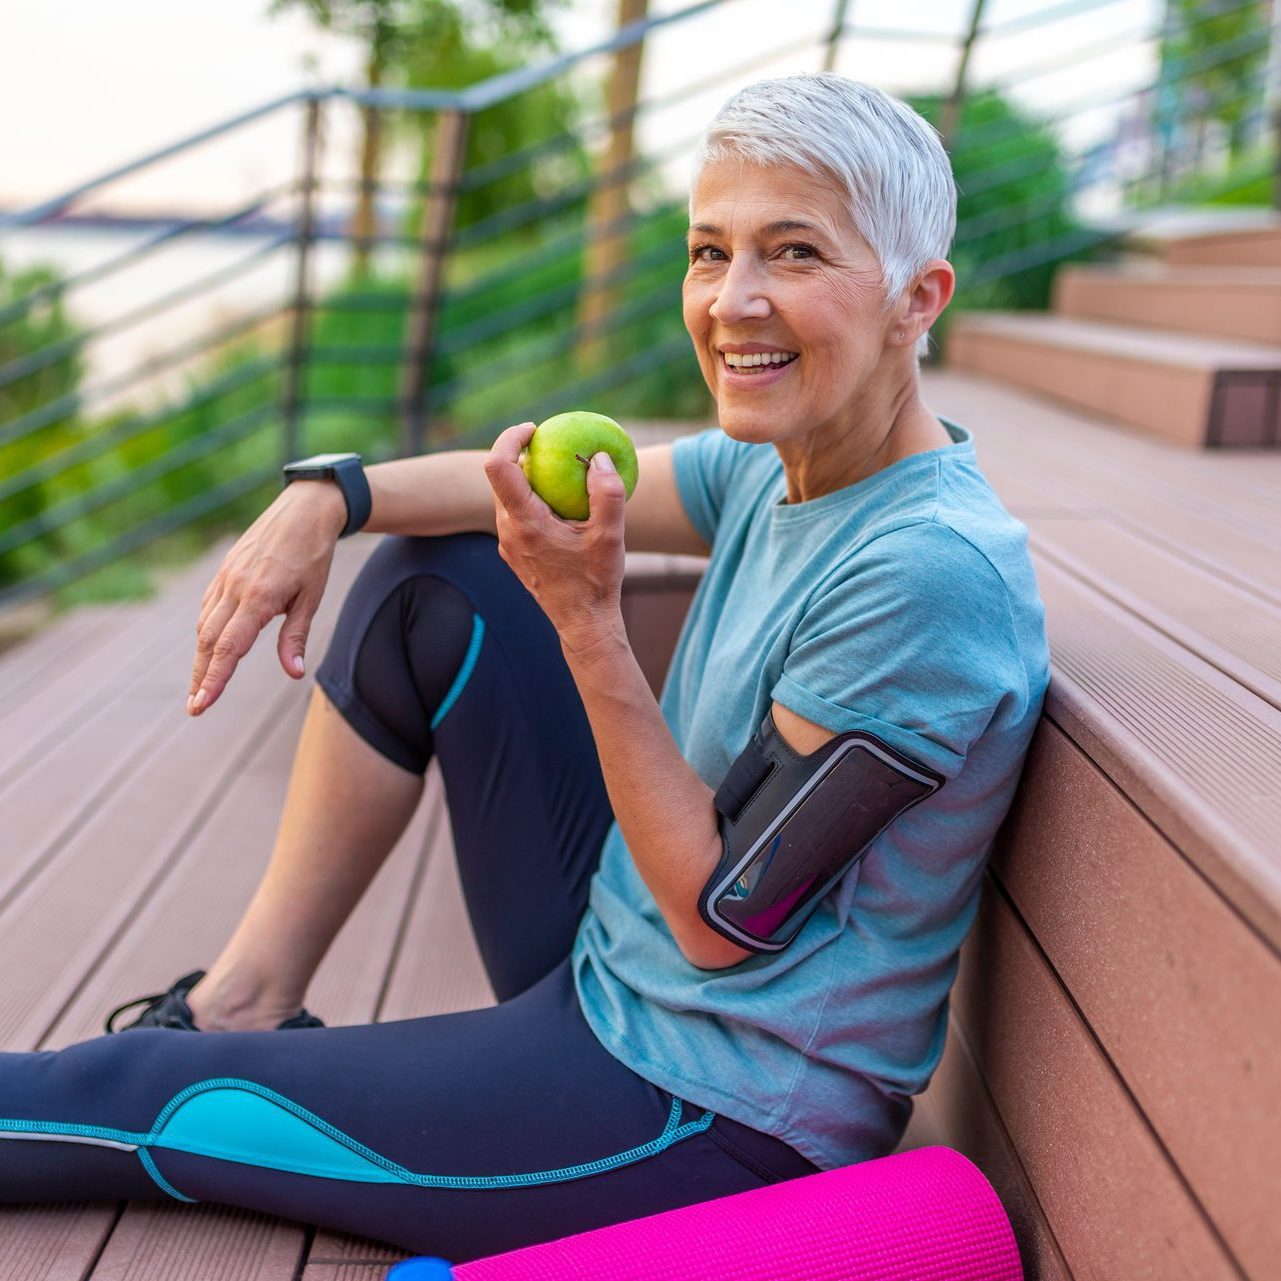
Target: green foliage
1014, 219
1214, 54
507, 340
1249, 180
448, 54
396, 30
44, 326
114, 472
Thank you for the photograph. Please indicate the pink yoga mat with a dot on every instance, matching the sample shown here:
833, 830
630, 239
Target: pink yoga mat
925, 1215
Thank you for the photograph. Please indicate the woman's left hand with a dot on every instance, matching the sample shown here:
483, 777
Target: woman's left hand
572, 568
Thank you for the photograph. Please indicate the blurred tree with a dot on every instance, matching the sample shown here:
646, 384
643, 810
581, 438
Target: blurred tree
415, 43
38, 329
1212, 59
1014, 217
458, 47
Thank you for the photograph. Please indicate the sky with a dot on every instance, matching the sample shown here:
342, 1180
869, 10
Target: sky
88, 85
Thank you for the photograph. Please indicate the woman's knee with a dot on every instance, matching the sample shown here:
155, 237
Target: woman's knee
401, 639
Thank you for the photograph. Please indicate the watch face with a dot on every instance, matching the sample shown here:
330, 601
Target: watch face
323, 460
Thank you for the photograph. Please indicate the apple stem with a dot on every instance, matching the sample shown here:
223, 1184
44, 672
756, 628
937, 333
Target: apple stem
587, 462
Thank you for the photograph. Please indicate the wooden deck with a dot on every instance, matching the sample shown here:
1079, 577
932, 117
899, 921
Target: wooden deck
131, 838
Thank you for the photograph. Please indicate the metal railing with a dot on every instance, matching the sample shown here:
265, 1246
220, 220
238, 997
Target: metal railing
452, 323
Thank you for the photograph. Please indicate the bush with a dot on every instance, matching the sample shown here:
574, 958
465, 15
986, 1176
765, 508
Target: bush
37, 329
1014, 219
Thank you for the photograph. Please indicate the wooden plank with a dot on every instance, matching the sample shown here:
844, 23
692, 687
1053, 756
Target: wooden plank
1211, 534
1045, 461
1139, 389
60, 706
28, 666
1219, 622
1196, 752
1114, 1202
964, 1117
1182, 995
1227, 626
54, 1242
173, 1243
43, 806
1244, 246
1237, 488
54, 932
338, 1258
80, 866
1230, 302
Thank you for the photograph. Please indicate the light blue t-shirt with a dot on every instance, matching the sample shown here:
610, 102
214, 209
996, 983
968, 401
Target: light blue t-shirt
904, 605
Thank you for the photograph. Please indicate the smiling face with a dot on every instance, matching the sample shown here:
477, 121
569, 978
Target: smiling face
784, 302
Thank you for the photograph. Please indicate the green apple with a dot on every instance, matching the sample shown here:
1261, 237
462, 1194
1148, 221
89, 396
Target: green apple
559, 452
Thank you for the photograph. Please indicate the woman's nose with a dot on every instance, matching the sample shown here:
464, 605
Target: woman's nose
742, 294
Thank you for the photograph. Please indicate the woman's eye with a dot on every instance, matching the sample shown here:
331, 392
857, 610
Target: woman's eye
797, 253
705, 253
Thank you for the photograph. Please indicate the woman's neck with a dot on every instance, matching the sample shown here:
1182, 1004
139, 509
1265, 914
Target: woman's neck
868, 438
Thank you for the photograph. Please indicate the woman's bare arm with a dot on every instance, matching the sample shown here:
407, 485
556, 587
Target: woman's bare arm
280, 564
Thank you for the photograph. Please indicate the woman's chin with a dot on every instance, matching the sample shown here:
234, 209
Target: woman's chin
750, 426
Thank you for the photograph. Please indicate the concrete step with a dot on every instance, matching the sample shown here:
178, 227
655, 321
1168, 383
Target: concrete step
1228, 302
1192, 390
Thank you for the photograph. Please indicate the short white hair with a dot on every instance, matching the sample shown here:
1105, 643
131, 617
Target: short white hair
889, 160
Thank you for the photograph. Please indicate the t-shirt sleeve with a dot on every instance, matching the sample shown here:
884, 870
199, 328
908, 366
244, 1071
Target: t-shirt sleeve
704, 464
914, 643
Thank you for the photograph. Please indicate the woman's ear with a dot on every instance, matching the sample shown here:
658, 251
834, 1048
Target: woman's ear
924, 301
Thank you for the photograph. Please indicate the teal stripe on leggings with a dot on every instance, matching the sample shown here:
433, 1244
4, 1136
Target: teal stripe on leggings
231, 1119
464, 672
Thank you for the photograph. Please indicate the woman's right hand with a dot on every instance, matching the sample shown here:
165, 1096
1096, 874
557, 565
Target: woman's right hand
279, 565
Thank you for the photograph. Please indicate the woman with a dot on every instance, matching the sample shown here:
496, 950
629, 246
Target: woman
645, 1053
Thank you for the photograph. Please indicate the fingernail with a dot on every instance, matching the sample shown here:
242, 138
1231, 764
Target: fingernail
297, 664
199, 701
603, 462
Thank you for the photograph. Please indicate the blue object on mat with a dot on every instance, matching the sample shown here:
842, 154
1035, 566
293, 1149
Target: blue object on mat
422, 1269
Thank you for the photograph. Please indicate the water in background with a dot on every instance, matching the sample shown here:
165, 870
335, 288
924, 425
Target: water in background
126, 348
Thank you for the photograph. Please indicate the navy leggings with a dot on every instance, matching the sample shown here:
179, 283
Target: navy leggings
460, 1134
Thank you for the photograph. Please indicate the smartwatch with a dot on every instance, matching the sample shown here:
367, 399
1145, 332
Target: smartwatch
346, 471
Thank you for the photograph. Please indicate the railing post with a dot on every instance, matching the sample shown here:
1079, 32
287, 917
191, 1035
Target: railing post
448, 154
1276, 158
292, 386
834, 40
610, 203
952, 109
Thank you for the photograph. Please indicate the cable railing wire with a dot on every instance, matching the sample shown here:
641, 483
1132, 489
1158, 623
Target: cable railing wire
100, 271
202, 504
101, 442
557, 220
66, 406
53, 353
72, 509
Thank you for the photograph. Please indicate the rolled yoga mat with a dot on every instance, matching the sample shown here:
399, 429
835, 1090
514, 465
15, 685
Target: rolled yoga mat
924, 1215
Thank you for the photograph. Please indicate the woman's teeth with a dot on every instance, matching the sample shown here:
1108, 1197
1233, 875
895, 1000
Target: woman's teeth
757, 360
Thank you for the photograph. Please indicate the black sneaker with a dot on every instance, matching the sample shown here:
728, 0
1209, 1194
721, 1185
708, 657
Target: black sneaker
170, 1009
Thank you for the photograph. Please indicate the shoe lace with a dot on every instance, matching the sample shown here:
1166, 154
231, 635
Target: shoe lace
149, 1001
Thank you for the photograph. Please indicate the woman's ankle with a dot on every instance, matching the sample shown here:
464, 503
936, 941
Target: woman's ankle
235, 1002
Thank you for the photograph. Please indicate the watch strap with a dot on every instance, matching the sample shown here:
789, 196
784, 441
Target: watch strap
348, 474
351, 479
